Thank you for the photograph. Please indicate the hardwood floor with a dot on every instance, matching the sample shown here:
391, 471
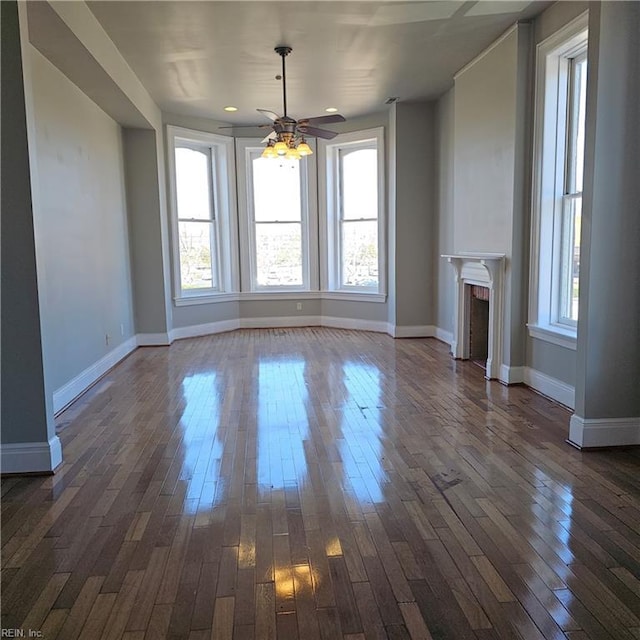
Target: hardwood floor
320, 484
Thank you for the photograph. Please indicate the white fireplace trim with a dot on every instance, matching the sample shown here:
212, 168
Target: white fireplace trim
484, 270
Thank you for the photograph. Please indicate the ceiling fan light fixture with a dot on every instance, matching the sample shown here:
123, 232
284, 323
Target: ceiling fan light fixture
280, 147
269, 151
292, 154
230, 109
331, 110
304, 149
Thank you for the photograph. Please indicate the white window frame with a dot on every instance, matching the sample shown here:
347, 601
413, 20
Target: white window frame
247, 149
553, 57
330, 208
223, 201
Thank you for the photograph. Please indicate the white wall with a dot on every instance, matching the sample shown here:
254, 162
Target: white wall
81, 226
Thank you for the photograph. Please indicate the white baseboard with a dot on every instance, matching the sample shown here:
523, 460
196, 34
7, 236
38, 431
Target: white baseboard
417, 331
277, 322
511, 375
31, 457
153, 339
197, 330
604, 432
444, 336
552, 387
66, 394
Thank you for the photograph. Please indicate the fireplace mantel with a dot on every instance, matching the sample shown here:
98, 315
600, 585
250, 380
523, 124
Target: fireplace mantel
485, 270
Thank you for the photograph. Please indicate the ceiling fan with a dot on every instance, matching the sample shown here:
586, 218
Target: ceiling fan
287, 137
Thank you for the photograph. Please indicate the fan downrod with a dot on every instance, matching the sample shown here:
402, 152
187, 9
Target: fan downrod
283, 51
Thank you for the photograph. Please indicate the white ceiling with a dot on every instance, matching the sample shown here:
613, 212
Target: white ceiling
197, 57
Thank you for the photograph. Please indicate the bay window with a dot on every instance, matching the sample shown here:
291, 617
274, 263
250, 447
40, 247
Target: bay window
275, 246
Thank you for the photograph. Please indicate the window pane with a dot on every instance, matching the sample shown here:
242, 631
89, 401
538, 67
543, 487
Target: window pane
360, 253
581, 78
570, 259
279, 254
359, 183
276, 190
193, 181
576, 125
196, 269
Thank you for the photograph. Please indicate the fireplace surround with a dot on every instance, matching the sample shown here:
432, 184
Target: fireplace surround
484, 270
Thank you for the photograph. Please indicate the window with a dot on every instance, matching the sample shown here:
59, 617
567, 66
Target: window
202, 187
197, 233
278, 219
572, 192
558, 180
353, 213
273, 247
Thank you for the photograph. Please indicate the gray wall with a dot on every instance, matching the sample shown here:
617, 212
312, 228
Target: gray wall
249, 309
444, 206
484, 144
391, 142
145, 229
490, 201
26, 408
556, 16
196, 314
608, 355
81, 226
550, 359
415, 215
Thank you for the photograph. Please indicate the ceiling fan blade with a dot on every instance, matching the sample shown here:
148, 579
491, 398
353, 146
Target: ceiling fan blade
334, 117
271, 136
318, 133
245, 126
269, 114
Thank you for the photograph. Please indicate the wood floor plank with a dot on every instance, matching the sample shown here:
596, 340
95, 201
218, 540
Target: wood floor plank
265, 611
305, 603
78, 614
45, 601
97, 618
222, 628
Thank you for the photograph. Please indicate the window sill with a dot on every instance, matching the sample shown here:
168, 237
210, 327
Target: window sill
209, 298
351, 296
281, 294
555, 335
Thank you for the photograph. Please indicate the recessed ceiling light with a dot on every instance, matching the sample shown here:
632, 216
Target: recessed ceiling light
331, 110
231, 109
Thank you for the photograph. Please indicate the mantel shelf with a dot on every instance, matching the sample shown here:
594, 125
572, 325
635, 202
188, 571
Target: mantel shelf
475, 257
